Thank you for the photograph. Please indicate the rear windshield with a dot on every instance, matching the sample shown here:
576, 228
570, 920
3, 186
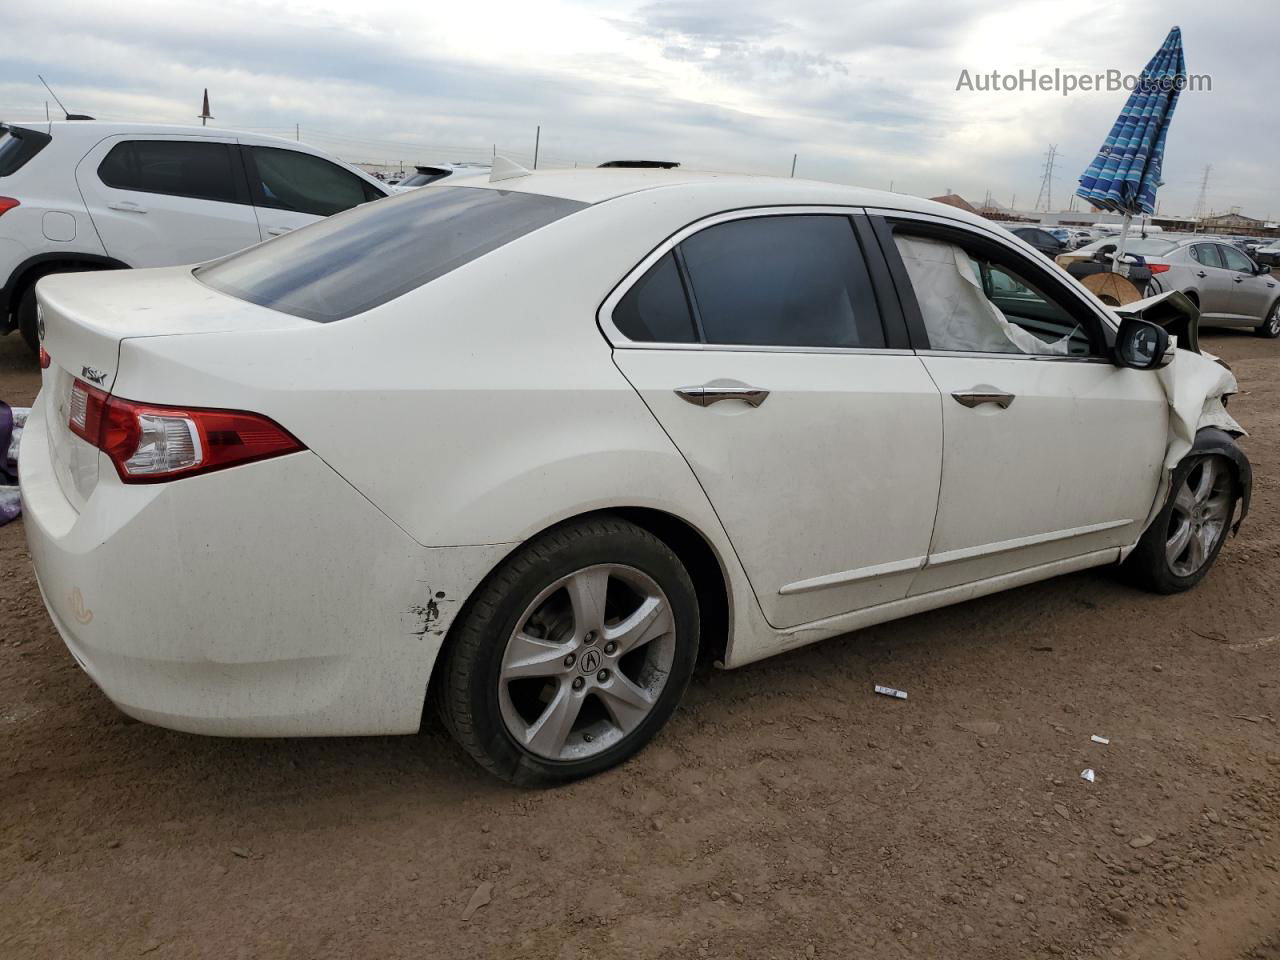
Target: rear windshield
17, 146
379, 251
422, 179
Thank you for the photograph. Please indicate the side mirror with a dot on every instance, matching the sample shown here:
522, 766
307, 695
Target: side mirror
1263, 269
1142, 345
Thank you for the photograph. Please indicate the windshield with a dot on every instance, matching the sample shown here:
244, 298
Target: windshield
376, 252
1149, 247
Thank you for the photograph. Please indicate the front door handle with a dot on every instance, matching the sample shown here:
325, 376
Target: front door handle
126, 206
705, 396
975, 398
1201, 274
278, 231
1238, 279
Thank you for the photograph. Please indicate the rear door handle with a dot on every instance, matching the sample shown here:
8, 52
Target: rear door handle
1201, 274
277, 231
975, 398
705, 396
126, 206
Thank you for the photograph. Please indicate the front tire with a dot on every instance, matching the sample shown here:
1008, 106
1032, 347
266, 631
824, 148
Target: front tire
1270, 327
572, 655
1177, 550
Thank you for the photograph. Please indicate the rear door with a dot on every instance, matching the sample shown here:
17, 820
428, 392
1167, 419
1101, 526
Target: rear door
162, 202
292, 189
1212, 280
756, 340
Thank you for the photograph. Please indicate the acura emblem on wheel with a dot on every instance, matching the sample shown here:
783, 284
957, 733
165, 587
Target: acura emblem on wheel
590, 661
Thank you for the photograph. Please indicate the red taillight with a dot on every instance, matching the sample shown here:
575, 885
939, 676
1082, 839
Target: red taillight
7, 204
1158, 267
149, 444
45, 359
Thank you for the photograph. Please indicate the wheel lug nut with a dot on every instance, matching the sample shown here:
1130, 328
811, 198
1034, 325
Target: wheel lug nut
587, 738
602, 676
570, 660
610, 647
590, 637
577, 683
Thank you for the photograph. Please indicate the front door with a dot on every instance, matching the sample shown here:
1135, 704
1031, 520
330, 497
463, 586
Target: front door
1051, 452
819, 449
1252, 294
292, 188
161, 202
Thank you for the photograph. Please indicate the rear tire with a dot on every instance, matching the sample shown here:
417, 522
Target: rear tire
26, 317
25, 313
1270, 327
1180, 546
572, 655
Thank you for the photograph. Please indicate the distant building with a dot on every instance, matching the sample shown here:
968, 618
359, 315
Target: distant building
954, 200
1232, 222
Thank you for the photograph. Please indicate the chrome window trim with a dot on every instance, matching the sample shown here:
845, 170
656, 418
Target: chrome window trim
1098, 309
620, 341
1051, 357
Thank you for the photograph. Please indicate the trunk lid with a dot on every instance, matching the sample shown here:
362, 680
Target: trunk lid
85, 317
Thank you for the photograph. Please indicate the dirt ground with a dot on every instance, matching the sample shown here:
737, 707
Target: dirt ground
785, 812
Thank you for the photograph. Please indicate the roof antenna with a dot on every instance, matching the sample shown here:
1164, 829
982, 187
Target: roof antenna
69, 116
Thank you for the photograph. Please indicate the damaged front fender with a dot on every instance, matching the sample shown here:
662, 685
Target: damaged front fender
1174, 311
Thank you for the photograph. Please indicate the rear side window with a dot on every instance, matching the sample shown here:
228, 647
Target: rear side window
782, 281
655, 310
1207, 254
289, 180
178, 168
17, 146
351, 263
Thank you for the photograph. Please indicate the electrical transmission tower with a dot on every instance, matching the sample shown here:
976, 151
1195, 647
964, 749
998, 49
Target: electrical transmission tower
1046, 184
1199, 211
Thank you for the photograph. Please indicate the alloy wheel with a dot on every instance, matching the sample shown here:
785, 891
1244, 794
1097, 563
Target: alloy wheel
1201, 512
587, 662
1273, 321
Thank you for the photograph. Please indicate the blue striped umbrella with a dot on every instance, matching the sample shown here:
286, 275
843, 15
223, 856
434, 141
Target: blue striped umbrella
1123, 177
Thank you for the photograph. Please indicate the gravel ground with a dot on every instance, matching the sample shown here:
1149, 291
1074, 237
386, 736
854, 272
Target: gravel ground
786, 811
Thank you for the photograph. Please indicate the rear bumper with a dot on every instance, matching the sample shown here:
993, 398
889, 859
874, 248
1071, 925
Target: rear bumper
265, 600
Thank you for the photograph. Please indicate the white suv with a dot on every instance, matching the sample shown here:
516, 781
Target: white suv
86, 195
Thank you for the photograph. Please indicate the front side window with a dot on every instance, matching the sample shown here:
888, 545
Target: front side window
345, 265
177, 168
1235, 260
303, 183
782, 281
973, 302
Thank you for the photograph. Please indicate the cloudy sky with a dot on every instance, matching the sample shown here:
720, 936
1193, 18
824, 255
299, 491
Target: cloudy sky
864, 92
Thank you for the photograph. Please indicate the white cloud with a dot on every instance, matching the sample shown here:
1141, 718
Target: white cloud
864, 91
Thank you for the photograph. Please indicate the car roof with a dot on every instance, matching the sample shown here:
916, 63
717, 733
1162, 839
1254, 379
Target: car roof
98, 129
596, 185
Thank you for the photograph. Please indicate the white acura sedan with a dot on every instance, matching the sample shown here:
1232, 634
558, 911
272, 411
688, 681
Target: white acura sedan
525, 448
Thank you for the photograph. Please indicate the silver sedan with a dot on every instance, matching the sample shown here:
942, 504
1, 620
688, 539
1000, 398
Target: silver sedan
1229, 288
